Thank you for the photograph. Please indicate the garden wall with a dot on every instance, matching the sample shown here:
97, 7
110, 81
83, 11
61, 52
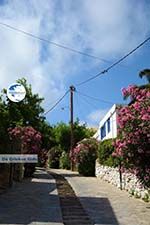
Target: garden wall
129, 181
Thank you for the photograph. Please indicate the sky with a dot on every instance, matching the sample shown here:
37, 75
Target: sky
107, 29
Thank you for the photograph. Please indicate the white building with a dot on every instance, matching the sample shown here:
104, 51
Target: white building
108, 125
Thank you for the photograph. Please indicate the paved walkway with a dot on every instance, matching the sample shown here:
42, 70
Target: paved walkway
105, 203
35, 203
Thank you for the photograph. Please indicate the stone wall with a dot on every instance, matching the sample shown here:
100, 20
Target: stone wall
129, 181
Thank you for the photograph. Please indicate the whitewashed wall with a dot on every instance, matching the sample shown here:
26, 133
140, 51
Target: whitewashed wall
112, 114
129, 181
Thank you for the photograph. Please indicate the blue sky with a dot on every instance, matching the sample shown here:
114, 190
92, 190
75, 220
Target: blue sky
106, 29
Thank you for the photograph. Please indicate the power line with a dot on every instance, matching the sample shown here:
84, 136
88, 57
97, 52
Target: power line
79, 52
54, 43
114, 64
85, 100
56, 103
78, 108
96, 99
89, 104
47, 105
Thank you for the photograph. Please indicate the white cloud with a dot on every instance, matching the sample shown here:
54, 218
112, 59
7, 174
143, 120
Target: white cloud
115, 26
105, 28
95, 116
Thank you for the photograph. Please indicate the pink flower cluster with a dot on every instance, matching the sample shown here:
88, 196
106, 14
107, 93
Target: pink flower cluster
86, 148
133, 142
135, 93
29, 138
74, 154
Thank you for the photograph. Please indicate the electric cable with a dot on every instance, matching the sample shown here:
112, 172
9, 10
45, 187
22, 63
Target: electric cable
78, 106
85, 100
114, 64
83, 53
89, 106
56, 103
96, 99
54, 43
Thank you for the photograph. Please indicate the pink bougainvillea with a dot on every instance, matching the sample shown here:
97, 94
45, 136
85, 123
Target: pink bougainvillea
84, 156
133, 143
28, 137
75, 154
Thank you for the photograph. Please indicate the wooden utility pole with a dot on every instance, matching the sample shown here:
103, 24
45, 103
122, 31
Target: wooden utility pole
72, 89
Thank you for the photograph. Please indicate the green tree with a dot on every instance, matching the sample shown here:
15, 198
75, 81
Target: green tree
4, 124
27, 112
62, 133
81, 132
48, 138
62, 136
145, 73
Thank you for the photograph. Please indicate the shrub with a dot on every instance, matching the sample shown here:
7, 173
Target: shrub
54, 155
84, 155
42, 158
28, 141
28, 137
133, 141
64, 161
105, 150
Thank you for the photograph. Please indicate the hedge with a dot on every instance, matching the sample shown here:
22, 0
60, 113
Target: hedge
105, 150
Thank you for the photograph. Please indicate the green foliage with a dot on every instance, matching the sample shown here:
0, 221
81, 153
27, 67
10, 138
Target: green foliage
54, 155
42, 158
61, 134
132, 143
105, 150
85, 155
22, 114
81, 132
48, 139
27, 112
5, 145
145, 73
146, 197
64, 161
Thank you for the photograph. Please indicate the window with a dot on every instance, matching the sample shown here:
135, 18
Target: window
103, 131
108, 125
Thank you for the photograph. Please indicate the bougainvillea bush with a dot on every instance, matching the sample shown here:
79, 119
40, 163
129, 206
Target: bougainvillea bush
132, 146
28, 137
84, 156
42, 158
54, 156
27, 140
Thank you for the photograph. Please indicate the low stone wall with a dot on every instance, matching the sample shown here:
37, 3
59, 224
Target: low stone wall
130, 182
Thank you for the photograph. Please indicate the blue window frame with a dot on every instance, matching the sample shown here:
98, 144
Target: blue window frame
108, 125
103, 131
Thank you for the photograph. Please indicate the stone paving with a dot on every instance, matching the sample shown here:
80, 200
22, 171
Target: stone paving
105, 203
33, 202
36, 202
